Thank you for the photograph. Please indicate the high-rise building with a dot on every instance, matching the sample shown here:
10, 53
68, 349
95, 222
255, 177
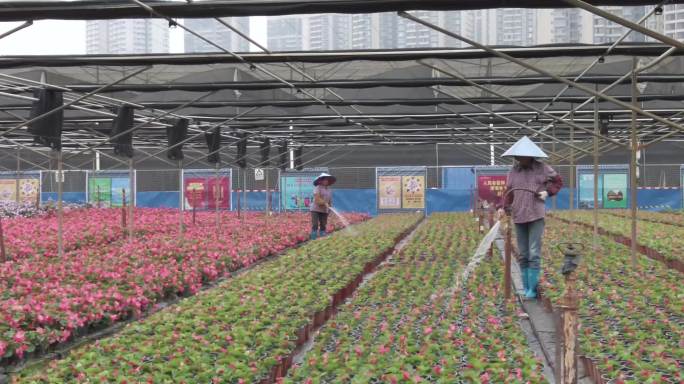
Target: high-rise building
606, 31
516, 26
123, 36
217, 33
673, 21
388, 31
286, 33
374, 31
328, 32
571, 25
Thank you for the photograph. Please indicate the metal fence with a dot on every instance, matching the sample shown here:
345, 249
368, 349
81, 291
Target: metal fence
653, 176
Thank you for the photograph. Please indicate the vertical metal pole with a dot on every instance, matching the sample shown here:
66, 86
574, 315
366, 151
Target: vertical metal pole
181, 201
194, 206
3, 254
132, 198
596, 170
217, 191
573, 172
268, 193
60, 206
239, 203
633, 165
554, 201
18, 190
123, 210
244, 188
507, 259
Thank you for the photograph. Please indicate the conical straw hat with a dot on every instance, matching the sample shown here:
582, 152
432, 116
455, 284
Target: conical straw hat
525, 148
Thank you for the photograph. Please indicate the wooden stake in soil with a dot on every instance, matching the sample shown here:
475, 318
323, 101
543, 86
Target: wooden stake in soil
508, 248
123, 210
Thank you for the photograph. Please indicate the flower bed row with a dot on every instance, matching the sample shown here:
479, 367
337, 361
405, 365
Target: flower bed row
411, 323
632, 321
243, 330
82, 228
649, 216
663, 239
46, 301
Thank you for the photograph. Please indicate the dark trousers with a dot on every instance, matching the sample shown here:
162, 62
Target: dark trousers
319, 221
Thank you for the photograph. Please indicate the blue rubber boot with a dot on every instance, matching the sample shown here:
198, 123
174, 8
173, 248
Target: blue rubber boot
321, 234
524, 273
313, 235
532, 281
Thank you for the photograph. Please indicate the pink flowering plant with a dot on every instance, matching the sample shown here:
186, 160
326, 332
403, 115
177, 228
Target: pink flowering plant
415, 321
46, 300
239, 331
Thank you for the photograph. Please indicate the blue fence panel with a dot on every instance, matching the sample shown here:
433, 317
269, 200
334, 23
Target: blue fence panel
67, 197
166, 199
659, 199
458, 178
445, 200
356, 200
256, 201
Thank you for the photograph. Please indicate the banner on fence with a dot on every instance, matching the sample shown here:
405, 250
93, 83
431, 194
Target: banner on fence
201, 188
29, 189
615, 190
296, 192
613, 187
413, 192
389, 192
106, 189
19, 188
400, 188
491, 185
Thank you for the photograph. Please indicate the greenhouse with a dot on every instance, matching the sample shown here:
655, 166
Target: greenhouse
156, 209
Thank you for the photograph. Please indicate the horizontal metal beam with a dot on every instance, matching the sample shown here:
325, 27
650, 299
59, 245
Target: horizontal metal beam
568, 50
362, 84
118, 9
371, 102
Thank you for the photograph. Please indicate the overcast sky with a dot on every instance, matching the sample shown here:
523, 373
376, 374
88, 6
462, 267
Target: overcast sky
57, 37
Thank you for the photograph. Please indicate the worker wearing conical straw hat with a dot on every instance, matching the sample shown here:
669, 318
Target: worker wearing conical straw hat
529, 183
321, 204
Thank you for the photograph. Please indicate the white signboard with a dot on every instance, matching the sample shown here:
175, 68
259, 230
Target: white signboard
258, 174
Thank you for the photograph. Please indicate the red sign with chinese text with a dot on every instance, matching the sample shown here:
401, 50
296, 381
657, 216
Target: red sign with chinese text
490, 188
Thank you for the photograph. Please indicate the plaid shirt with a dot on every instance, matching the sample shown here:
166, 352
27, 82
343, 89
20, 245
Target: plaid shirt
527, 207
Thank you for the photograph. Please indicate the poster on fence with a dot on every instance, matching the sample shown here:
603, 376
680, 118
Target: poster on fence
389, 192
100, 191
613, 184
29, 190
400, 188
491, 188
201, 188
8, 190
218, 188
195, 192
119, 185
106, 189
491, 185
297, 192
615, 190
413, 192
296, 188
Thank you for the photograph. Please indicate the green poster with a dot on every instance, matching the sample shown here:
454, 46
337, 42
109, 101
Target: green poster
297, 192
100, 191
615, 190
586, 190
119, 185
